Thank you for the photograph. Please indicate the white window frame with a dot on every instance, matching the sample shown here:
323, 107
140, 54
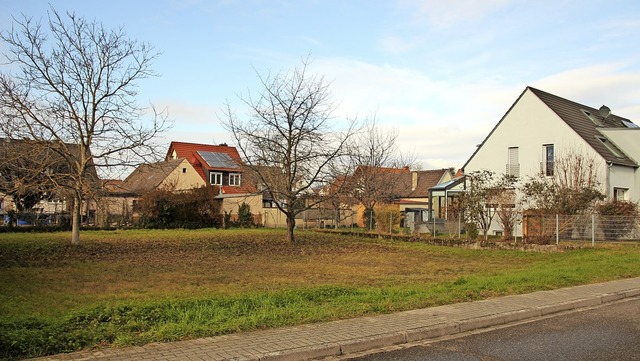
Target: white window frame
513, 161
213, 178
620, 194
548, 165
235, 179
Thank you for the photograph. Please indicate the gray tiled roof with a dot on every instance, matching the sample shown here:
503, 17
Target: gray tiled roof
149, 176
573, 114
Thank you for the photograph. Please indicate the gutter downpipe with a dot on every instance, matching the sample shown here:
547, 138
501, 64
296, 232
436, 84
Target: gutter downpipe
608, 180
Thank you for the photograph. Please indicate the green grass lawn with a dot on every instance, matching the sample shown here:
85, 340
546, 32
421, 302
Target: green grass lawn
138, 286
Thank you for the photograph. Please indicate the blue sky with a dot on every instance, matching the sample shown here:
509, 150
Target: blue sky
440, 73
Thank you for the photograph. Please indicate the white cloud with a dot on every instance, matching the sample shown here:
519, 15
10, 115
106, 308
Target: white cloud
440, 122
395, 44
445, 14
609, 84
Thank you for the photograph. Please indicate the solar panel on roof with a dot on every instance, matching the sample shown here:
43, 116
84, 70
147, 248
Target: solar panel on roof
218, 160
629, 124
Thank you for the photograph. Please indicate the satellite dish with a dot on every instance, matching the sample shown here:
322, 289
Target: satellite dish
604, 111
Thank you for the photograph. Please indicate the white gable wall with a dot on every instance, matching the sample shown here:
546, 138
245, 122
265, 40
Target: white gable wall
529, 125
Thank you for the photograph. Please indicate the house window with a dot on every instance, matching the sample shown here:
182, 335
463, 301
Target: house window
215, 178
234, 179
549, 159
513, 165
184, 170
620, 194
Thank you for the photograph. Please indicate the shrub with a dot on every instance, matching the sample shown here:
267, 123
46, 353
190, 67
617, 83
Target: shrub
387, 219
472, 230
193, 208
369, 218
619, 218
245, 218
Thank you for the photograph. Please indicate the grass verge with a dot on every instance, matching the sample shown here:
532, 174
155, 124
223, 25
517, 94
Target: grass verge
134, 287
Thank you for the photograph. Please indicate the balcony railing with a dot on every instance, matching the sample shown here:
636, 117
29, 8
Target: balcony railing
513, 169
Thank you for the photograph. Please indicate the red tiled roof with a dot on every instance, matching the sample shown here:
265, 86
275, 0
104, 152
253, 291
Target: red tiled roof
189, 151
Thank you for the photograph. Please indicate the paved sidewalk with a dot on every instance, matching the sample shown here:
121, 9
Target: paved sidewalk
361, 334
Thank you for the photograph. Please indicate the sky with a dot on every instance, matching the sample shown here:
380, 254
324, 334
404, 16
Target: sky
439, 73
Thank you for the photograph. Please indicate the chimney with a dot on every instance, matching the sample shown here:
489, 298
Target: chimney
414, 180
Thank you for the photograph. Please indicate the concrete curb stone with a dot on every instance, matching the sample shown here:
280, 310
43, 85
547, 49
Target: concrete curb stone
337, 338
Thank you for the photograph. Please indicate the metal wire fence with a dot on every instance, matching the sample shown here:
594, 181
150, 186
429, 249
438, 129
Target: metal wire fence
549, 228
590, 227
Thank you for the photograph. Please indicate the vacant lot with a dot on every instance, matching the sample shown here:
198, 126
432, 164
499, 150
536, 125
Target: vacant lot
132, 287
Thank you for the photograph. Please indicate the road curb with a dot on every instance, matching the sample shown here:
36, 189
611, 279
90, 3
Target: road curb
333, 340
477, 323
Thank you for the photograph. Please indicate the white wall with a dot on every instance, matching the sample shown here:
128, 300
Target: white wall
529, 125
628, 140
623, 177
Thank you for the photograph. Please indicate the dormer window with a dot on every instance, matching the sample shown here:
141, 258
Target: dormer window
234, 179
215, 178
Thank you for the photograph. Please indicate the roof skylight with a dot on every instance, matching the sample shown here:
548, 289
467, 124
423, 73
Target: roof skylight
591, 117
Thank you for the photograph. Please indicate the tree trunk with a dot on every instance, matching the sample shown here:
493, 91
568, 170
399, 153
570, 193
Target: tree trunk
75, 222
291, 225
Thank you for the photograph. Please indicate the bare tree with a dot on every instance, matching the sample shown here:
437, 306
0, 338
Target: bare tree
478, 200
290, 142
380, 168
574, 187
74, 90
507, 205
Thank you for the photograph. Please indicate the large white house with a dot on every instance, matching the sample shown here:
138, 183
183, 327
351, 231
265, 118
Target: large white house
540, 127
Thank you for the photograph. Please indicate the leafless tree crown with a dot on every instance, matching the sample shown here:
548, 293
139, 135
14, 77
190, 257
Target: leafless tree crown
290, 140
73, 87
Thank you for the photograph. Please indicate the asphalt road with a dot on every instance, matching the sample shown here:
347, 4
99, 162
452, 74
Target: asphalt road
610, 332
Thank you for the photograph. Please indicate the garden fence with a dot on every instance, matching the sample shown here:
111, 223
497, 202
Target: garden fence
549, 228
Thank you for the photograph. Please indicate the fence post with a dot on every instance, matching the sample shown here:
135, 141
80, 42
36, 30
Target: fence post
557, 230
434, 226
459, 229
593, 230
390, 222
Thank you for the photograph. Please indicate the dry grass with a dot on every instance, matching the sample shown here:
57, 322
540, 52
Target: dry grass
146, 265
131, 287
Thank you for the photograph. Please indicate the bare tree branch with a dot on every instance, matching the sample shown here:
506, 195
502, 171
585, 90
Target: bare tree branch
290, 141
75, 91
